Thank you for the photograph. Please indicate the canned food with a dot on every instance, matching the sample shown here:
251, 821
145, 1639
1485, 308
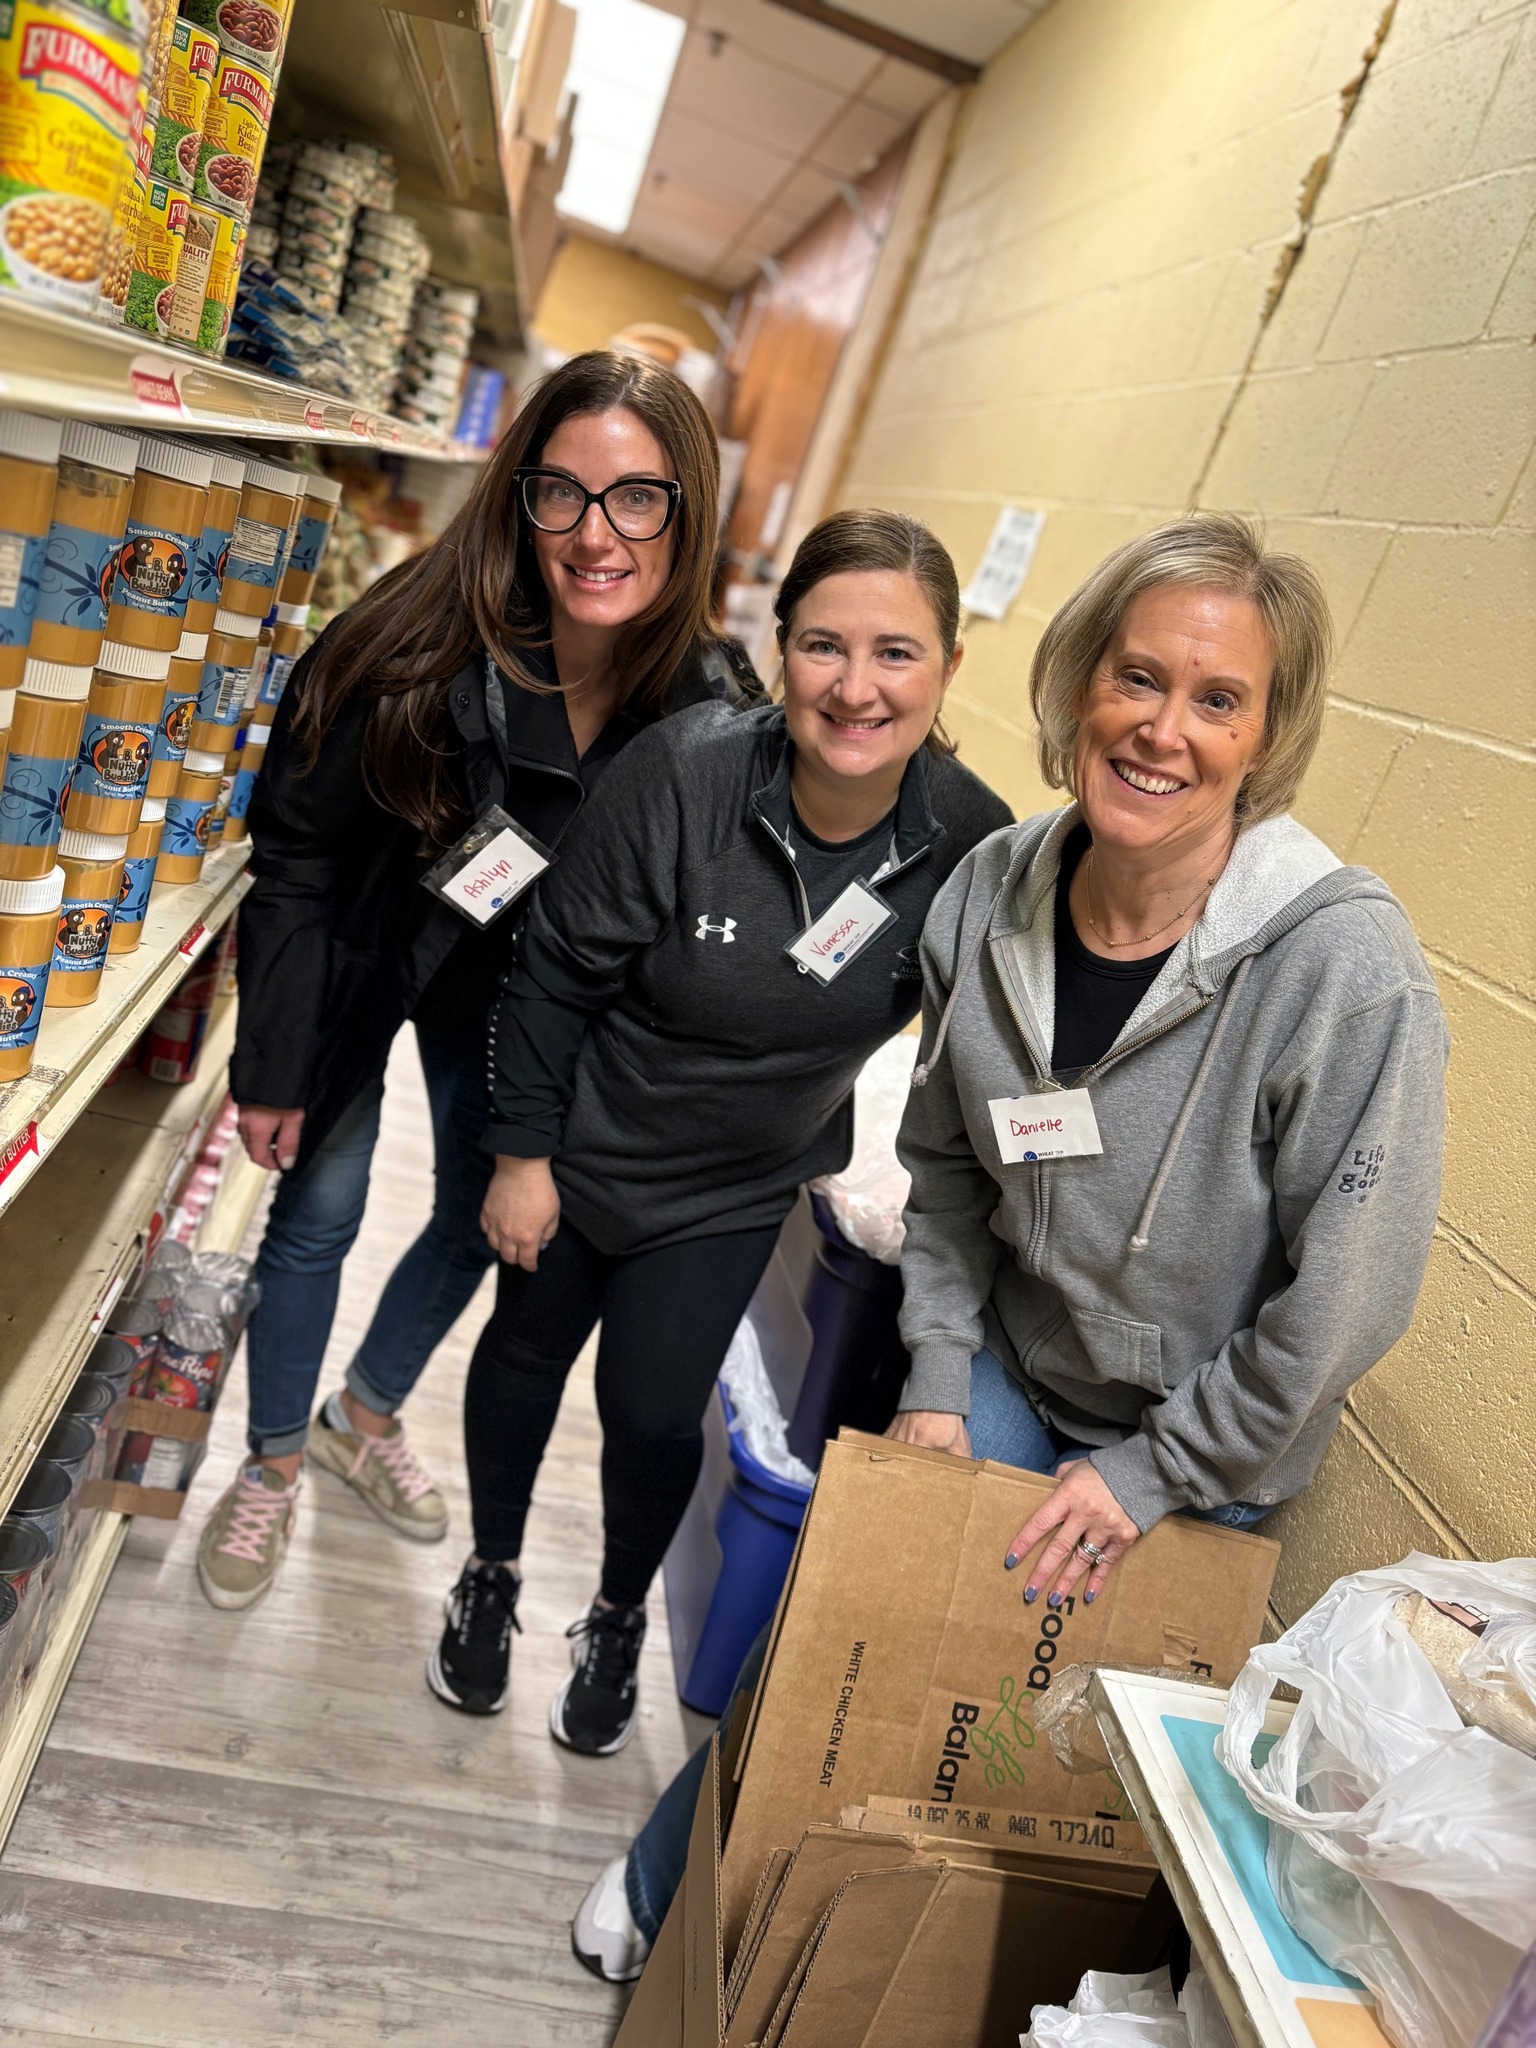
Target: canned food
234, 136
248, 29
223, 282
187, 300
68, 84
127, 214
184, 105
156, 258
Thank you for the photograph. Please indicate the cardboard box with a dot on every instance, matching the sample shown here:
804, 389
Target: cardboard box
901, 1682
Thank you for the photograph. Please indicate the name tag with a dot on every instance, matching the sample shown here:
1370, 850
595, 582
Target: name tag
1057, 1124
492, 865
826, 947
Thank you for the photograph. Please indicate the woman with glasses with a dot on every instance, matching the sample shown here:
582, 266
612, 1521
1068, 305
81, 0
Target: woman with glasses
461, 712
730, 934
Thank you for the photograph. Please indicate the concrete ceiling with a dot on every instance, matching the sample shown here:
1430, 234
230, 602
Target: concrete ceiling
768, 111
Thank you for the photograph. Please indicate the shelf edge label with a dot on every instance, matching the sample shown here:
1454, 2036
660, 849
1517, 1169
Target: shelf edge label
22, 1156
194, 941
157, 384
314, 417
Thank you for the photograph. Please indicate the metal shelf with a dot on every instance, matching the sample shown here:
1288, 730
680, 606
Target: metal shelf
68, 366
78, 1049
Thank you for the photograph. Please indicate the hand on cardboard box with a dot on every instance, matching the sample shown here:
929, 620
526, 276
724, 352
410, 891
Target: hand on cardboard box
1081, 1510
932, 1430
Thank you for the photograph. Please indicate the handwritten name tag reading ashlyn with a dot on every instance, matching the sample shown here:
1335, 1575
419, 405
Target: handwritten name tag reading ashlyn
493, 877
1058, 1123
826, 946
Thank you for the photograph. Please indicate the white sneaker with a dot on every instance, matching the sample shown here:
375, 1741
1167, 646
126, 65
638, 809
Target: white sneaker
604, 1935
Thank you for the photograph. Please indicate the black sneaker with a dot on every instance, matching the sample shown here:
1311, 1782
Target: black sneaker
594, 1711
469, 1667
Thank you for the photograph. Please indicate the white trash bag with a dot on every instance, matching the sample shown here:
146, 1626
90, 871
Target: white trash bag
1112, 2011
1402, 1842
868, 1196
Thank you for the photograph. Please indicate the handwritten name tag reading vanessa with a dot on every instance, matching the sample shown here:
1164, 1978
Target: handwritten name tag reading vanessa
831, 941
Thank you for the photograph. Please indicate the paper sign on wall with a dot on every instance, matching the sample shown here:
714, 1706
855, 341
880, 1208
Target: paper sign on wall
1001, 571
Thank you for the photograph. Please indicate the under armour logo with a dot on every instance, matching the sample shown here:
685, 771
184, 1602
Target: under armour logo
727, 930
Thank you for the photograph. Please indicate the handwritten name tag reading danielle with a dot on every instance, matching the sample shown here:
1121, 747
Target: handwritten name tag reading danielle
1059, 1123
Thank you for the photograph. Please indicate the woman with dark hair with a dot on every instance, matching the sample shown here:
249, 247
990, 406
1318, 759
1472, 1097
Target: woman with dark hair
729, 934
492, 678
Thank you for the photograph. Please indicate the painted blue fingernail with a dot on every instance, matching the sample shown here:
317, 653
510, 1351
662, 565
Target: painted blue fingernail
1089, 1598
1031, 1593
1009, 1563
1053, 1600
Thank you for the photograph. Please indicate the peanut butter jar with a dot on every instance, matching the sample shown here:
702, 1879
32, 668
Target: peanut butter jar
93, 882
178, 709
213, 547
189, 817
267, 509
317, 515
90, 512
225, 681
246, 765
29, 923
138, 877
29, 476
122, 715
7, 713
45, 745
153, 577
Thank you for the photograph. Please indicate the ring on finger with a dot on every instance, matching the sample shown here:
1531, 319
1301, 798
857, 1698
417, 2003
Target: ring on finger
1091, 1551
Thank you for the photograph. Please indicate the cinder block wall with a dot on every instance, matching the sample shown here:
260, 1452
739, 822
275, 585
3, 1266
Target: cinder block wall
1111, 320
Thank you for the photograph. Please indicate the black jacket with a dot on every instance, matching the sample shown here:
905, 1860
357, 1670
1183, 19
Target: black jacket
653, 1036
338, 941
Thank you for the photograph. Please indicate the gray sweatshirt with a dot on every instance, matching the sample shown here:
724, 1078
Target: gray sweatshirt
1197, 1300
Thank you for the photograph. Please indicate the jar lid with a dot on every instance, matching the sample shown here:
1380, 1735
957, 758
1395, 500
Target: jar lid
177, 461
83, 441
266, 476
293, 615
27, 899
30, 437
60, 679
228, 470
326, 488
153, 812
257, 734
144, 664
237, 624
93, 845
194, 647
198, 761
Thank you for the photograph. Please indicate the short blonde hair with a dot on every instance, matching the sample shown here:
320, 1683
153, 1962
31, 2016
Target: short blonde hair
1219, 552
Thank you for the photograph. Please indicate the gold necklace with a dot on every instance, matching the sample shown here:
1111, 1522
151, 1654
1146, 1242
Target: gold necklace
1204, 890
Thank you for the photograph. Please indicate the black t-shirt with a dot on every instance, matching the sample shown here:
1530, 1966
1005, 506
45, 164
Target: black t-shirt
827, 866
1094, 996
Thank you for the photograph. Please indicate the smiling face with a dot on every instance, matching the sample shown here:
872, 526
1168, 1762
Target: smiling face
1173, 719
595, 577
864, 673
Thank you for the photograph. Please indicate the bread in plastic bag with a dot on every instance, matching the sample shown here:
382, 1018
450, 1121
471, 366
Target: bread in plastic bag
1402, 1842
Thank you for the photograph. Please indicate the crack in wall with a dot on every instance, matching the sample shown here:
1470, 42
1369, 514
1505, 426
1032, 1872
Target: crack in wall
1313, 181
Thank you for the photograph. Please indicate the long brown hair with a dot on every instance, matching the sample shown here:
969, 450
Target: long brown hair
479, 586
873, 539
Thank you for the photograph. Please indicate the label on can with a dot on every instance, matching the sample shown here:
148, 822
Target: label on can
85, 926
32, 799
223, 282
67, 92
222, 696
256, 552
250, 29
133, 897
154, 570
176, 718
76, 583
188, 822
234, 136
194, 58
21, 571
21, 1004
275, 681
310, 545
114, 757
165, 1463
197, 247
156, 258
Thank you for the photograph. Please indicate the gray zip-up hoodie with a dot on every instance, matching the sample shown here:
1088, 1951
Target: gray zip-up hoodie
1198, 1299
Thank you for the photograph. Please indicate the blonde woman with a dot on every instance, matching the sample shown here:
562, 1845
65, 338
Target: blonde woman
1176, 1150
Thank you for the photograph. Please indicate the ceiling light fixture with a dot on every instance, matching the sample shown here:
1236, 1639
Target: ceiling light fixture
621, 72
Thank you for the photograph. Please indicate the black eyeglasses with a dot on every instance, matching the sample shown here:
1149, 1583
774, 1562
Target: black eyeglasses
637, 507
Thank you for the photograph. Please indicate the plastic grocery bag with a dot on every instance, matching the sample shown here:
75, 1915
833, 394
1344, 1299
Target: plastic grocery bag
1111, 2011
1402, 1842
868, 1196
758, 1415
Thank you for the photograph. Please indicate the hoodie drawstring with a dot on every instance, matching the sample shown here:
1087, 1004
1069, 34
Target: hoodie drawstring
1141, 1236
925, 1067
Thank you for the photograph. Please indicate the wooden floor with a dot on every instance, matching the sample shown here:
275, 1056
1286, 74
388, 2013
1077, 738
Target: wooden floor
261, 1828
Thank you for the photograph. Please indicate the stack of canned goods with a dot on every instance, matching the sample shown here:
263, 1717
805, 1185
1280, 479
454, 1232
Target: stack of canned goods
388, 260
441, 331
325, 192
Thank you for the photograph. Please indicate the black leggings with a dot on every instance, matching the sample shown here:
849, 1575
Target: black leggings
668, 1317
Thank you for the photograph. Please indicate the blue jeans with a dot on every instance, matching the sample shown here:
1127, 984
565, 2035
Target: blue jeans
315, 1217
1005, 1428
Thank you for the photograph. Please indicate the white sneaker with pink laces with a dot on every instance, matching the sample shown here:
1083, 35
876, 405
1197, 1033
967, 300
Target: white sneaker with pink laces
384, 1470
247, 1533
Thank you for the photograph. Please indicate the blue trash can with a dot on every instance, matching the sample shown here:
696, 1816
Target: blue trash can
728, 1562
858, 1364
